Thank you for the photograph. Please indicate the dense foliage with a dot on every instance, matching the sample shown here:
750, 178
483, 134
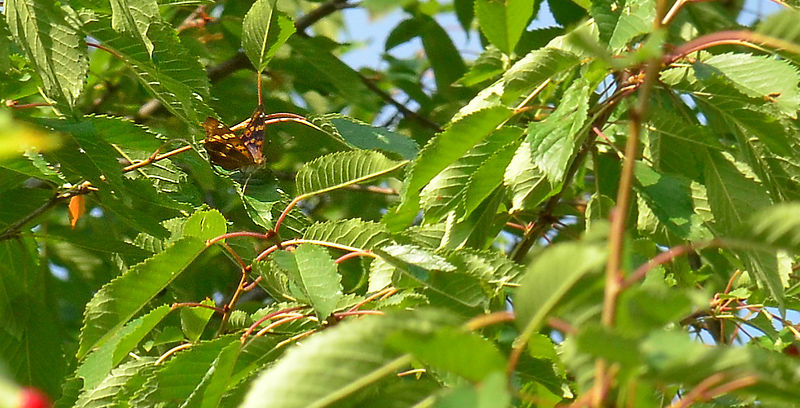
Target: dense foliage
598, 213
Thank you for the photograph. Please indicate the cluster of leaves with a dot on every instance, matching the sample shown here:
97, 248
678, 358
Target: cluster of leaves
657, 143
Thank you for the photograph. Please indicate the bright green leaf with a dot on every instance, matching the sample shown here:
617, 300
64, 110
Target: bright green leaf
53, 45
503, 22
119, 300
342, 169
264, 30
466, 354
312, 269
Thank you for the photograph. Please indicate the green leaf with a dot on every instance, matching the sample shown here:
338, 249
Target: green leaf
119, 131
360, 135
107, 392
629, 20
488, 65
553, 141
503, 22
420, 267
783, 26
451, 144
671, 137
210, 391
312, 269
195, 319
491, 393
185, 373
19, 202
527, 185
99, 363
330, 73
30, 339
353, 232
733, 196
605, 343
463, 353
119, 300
446, 192
768, 78
356, 348
134, 19
776, 225
670, 198
549, 277
341, 169
264, 30
492, 267
729, 108
53, 45
171, 75
532, 70
674, 357
445, 59
479, 229
86, 156
488, 176
266, 205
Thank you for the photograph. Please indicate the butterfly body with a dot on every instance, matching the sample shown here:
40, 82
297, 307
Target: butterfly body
231, 151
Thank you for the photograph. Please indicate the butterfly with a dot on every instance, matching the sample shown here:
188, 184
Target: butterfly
233, 152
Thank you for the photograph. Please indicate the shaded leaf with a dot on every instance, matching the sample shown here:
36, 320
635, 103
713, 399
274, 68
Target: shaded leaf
360, 135
171, 75
553, 141
107, 392
179, 377
451, 144
30, 344
446, 192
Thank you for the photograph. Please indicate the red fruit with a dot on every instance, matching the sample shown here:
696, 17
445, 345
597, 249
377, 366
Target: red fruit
33, 398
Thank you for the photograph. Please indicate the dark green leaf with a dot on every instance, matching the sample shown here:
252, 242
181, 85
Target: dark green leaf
363, 136
30, 345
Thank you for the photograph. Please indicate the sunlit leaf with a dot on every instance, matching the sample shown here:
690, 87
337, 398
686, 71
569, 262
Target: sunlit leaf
119, 300
264, 30
53, 44
313, 271
342, 169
